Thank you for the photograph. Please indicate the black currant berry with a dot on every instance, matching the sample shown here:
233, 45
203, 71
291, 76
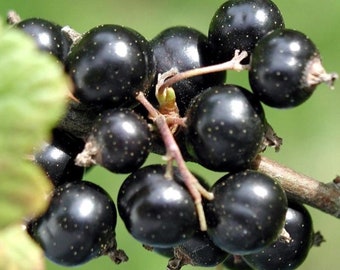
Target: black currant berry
67, 142
287, 254
285, 69
240, 24
109, 65
199, 250
47, 35
57, 158
79, 224
184, 48
119, 141
225, 128
156, 210
247, 213
58, 165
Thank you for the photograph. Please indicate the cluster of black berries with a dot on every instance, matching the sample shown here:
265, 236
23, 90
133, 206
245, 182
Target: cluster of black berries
169, 96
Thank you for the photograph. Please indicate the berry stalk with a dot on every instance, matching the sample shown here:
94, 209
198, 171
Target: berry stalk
173, 153
233, 64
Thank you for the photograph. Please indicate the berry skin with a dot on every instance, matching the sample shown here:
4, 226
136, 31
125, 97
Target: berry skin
47, 35
157, 211
56, 158
247, 213
225, 128
79, 224
199, 250
280, 68
184, 48
287, 255
67, 142
109, 65
119, 141
240, 24
58, 165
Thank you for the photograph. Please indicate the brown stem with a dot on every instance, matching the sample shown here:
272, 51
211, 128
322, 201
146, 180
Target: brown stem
325, 197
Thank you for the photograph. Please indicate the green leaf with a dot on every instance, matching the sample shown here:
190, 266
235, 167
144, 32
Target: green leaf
13, 254
33, 90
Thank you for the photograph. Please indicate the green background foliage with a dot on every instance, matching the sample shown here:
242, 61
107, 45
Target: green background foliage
311, 132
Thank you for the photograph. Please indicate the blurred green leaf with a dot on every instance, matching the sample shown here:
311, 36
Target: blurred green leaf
13, 254
33, 91
24, 192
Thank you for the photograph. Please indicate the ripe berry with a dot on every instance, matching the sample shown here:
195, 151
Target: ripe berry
57, 158
119, 141
247, 213
67, 142
199, 250
287, 254
240, 24
58, 165
184, 48
156, 210
79, 224
285, 69
109, 65
225, 128
47, 35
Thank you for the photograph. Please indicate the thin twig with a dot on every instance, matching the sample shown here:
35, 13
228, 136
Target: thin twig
325, 197
233, 64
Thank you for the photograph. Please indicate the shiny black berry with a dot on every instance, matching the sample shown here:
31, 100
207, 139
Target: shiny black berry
47, 35
67, 141
287, 254
284, 68
156, 210
199, 250
225, 128
57, 157
79, 224
240, 24
184, 48
247, 213
119, 141
58, 165
109, 65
